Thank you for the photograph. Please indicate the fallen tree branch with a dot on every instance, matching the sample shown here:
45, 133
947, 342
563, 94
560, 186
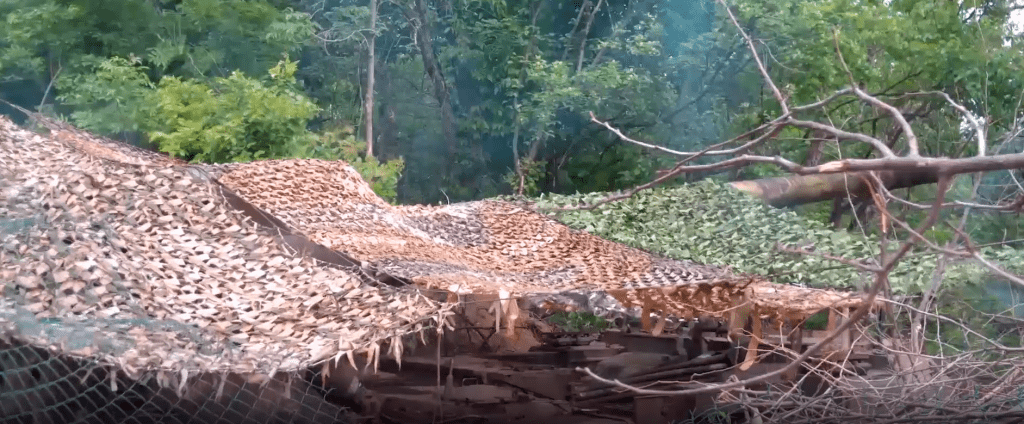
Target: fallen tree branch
868, 177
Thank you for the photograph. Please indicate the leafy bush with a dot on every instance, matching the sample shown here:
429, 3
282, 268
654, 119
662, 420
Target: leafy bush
340, 143
233, 119
578, 321
533, 172
108, 96
711, 223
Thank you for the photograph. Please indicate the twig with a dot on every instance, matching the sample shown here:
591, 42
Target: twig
979, 131
757, 59
896, 114
49, 86
856, 264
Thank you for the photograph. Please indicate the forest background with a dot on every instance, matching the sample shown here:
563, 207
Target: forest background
478, 99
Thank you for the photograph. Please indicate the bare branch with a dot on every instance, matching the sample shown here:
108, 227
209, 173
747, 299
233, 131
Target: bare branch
879, 145
979, 130
757, 59
638, 143
896, 114
999, 270
967, 330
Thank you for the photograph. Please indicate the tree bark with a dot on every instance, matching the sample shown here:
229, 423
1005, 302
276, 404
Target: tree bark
386, 146
417, 17
370, 65
586, 33
536, 7
801, 189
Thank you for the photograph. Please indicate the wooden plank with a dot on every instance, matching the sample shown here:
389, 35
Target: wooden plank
755, 340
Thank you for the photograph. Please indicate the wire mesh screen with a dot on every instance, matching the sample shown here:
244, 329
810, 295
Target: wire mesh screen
38, 387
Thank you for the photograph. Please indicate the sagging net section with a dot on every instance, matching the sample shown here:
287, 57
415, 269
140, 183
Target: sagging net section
78, 369
38, 386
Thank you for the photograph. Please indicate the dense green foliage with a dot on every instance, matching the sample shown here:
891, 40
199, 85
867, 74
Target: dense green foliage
520, 86
43, 40
233, 119
522, 76
710, 223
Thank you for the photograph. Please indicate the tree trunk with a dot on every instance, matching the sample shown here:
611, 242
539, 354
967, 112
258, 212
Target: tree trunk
801, 189
370, 62
586, 33
417, 17
387, 138
536, 7
572, 34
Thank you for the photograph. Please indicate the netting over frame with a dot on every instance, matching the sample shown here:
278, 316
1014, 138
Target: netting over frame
142, 267
138, 288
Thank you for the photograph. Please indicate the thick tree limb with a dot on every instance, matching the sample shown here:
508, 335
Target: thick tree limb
797, 190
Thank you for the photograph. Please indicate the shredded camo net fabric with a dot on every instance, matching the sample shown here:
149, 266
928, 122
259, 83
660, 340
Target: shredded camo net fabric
137, 288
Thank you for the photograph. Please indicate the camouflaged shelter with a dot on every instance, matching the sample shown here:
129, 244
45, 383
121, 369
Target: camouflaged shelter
168, 270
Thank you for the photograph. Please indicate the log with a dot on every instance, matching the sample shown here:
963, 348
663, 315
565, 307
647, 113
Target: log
801, 189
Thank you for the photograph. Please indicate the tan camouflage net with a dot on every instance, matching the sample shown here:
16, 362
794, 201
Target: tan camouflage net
152, 271
276, 265
491, 247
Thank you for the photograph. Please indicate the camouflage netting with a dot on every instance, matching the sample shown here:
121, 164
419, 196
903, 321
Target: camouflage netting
140, 264
105, 240
498, 247
174, 283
